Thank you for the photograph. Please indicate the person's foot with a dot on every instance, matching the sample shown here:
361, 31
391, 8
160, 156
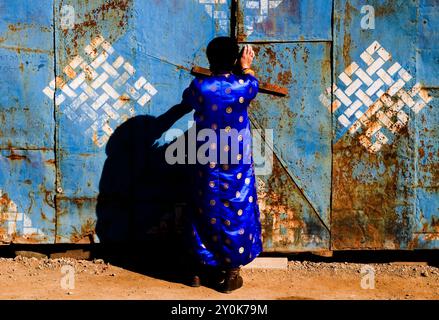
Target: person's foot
193, 274
232, 281
213, 277
205, 275
195, 281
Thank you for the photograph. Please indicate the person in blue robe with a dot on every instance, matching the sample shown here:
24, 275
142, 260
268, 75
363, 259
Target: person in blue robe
224, 231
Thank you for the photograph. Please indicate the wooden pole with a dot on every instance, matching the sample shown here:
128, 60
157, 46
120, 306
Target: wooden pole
263, 87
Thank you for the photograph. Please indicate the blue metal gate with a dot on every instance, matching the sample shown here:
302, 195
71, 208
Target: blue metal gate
87, 90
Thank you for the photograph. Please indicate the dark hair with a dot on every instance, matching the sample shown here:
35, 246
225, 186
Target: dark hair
222, 53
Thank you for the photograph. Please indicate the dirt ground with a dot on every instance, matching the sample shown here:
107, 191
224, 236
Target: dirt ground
32, 278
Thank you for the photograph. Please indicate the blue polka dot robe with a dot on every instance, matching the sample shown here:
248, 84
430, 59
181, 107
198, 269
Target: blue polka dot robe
224, 229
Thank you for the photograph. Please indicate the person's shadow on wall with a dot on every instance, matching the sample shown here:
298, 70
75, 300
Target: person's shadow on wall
143, 200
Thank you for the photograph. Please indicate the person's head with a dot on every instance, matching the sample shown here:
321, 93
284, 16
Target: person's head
222, 53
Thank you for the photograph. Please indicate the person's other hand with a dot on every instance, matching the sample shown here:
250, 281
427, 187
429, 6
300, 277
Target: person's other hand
247, 57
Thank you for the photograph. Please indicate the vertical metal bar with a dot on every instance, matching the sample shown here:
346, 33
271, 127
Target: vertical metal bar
332, 124
233, 19
55, 132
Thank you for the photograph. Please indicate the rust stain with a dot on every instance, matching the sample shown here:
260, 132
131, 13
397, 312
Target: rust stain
386, 9
14, 156
69, 72
428, 165
28, 239
371, 200
23, 26
14, 33
281, 217
116, 12
48, 199
5, 237
12, 28
4, 203
85, 234
305, 53
326, 67
421, 152
50, 162
240, 24
22, 49
124, 98
256, 49
272, 58
431, 236
79, 201
347, 41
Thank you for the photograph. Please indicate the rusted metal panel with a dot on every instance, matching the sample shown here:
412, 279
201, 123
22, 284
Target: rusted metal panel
427, 53
85, 107
76, 220
289, 222
382, 116
296, 54
26, 58
427, 64
302, 137
27, 209
123, 62
284, 20
27, 168
427, 173
176, 32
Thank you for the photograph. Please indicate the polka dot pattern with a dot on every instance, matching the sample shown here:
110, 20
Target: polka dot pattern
226, 226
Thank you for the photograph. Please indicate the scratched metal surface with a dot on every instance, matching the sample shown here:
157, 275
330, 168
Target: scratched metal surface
69, 176
26, 197
295, 197
302, 142
287, 20
102, 187
427, 62
27, 169
386, 198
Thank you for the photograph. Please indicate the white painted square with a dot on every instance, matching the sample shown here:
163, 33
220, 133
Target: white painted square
344, 120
